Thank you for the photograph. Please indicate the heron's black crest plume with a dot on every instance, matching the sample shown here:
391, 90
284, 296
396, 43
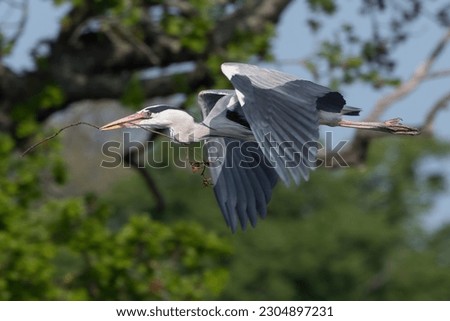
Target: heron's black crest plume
159, 108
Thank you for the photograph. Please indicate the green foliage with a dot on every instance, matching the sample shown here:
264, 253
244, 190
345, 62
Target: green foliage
349, 235
193, 32
25, 113
70, 249
141, 260
23, 263
134, 95
27, 127
5, 45
51, 96
344, 67
99, 6
326, 6
77, 249
349, 55
343, 235
247, 44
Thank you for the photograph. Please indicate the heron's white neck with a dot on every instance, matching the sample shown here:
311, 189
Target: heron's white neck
182, 126
189, 132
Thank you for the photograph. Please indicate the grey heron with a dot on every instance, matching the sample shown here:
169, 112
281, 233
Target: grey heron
263, 130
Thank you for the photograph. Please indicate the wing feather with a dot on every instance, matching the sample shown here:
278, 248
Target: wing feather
242, 188
282, 113
242, 181
207, 99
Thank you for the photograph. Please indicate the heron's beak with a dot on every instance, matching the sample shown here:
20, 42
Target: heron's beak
125, 122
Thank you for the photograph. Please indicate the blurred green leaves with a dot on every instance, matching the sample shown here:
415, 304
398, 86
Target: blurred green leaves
343, 66
347, 234
344, 235
326, 6
348, 55
134, 95
68, 250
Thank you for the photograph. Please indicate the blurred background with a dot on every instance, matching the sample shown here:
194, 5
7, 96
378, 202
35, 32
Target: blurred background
71, 229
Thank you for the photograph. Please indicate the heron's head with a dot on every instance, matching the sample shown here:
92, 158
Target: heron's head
152, 117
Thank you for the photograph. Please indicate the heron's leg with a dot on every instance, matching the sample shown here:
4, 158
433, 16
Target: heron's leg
392, 126
197, 166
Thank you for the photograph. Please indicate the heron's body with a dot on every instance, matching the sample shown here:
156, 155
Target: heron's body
264, 129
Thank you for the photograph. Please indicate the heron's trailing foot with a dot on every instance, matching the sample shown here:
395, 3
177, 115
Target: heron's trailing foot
391, 126
196, 167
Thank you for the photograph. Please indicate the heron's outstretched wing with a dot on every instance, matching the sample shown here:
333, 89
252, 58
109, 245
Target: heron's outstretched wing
283, 113
243, 180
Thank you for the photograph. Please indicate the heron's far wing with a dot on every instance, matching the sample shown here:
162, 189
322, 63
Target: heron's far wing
282, 113
242, 179
208, 98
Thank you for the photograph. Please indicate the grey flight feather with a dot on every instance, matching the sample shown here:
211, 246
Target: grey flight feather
283, 116
242, 178
207, 99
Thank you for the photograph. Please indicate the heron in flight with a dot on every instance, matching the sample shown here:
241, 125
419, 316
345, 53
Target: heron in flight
264, 130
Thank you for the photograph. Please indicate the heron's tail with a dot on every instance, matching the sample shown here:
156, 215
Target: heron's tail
350, 111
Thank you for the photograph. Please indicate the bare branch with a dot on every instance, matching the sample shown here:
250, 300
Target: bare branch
29, 149
439, 74
356, 153
427, 126
252, 17
145, 49
23, 7
112, 86
419, 75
